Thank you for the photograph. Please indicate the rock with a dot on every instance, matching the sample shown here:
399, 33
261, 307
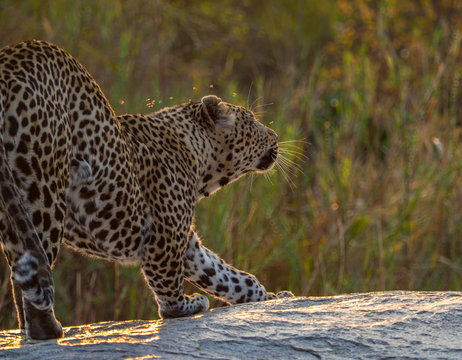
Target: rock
404, 325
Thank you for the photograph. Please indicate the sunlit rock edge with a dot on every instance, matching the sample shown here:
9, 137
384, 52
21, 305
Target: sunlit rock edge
411, 325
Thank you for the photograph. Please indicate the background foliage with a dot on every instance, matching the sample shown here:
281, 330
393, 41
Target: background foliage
372, 88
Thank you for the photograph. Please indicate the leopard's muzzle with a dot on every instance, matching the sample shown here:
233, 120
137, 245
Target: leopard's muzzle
268, 159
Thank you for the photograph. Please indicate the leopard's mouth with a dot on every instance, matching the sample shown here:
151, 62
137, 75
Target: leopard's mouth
268, 159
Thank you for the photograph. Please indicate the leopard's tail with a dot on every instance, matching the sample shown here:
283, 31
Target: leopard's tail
21, 244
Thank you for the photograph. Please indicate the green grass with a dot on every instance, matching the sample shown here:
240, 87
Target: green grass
372, 95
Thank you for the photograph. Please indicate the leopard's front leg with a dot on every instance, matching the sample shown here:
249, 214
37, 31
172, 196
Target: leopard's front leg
163, 268
209, 272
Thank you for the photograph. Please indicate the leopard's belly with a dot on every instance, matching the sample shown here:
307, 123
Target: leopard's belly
105, 218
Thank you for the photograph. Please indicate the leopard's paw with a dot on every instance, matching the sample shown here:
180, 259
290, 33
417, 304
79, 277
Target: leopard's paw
270, 296
191, 305
284, 294
279, 295
200, 303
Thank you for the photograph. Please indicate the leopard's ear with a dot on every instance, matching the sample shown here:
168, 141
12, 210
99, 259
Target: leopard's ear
216, 112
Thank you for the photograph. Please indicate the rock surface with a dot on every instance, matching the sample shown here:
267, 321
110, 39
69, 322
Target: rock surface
386, 325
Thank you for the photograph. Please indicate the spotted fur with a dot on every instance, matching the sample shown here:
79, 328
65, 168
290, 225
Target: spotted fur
122, 189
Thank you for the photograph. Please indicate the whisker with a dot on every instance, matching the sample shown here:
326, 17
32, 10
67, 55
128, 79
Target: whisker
286, 172
267, 177
263, 105
293, 158
248, 94
296, 154
291, 149
258, 114
286, 159
286, 176
290, 153
255, 101
252, 179
294, 141
290, 167
293, 144
293, 169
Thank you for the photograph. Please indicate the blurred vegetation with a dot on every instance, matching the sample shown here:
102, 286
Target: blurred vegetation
371, 88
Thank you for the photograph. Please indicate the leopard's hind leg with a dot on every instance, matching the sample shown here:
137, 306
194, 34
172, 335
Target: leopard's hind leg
29, 214
32, 287
16, 289
38, 322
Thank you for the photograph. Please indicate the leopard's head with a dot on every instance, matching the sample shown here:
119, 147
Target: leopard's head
240, 144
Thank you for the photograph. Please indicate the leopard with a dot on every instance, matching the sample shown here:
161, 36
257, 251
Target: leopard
120, 188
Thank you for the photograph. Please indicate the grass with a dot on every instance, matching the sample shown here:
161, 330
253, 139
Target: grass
369, 108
